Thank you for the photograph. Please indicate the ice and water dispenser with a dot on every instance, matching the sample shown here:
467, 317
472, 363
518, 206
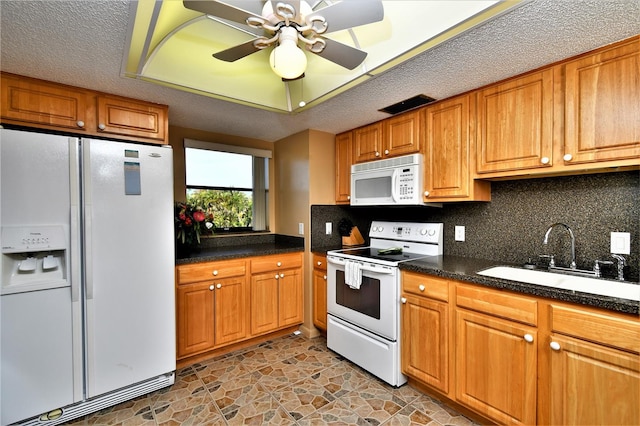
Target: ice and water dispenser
34, 258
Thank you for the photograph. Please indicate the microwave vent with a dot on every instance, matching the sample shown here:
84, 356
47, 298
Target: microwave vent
388, 163
408, 104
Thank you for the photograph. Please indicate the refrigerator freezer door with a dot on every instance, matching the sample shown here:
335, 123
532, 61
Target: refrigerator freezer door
129, 262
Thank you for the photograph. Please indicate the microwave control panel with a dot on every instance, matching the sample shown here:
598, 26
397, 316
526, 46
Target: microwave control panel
406, 183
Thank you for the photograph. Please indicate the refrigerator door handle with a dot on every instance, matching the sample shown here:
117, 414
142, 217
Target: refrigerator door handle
87, 215
74, 195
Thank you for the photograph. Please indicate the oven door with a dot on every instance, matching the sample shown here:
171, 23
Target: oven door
374, 306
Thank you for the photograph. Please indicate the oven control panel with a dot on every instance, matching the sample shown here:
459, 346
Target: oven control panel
407, 231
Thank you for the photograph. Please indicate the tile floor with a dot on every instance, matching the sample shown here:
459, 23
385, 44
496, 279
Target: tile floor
288, 381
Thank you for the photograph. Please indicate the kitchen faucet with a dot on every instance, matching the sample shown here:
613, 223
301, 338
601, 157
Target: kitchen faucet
573, 241
621, 264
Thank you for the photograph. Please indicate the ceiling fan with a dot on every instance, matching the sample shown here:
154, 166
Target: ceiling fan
285, 22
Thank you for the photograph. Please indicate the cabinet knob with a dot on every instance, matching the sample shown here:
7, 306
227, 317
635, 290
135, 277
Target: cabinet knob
325, 277
277, 276
567, 157
545, 160
348, 197
386, 152
80, 123
101, 126
426, 193
281, 275
211, 287
528, 338
555, 346
215, 273
403, 300
279, 264
421, 287
377, 154
218, 285
319, 263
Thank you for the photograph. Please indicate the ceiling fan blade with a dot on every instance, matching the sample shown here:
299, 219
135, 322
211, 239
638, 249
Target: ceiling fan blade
236, 52
341, 54
351, 13
221, 10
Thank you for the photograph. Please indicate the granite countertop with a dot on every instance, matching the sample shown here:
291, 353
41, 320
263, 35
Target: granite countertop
240, 251
466, 269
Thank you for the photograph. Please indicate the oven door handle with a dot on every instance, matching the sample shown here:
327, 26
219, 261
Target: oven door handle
385, 270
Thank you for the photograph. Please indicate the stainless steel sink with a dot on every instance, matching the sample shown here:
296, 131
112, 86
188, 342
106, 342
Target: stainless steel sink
621, 289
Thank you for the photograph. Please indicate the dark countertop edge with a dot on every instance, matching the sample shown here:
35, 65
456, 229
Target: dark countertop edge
237, 252
465, 269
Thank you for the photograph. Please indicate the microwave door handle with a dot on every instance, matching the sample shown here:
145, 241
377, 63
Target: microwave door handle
394, 181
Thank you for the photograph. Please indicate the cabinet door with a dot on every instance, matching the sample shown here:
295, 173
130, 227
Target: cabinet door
515, 124
40, 104
367, 143
124, 117
496, 368
230, 310
290, 310
402, 134
602, 105
343, 167
194, 318
320, 299
593, 384
264, 303
425, 341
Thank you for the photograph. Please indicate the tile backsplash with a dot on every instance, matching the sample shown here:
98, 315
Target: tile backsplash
512, 226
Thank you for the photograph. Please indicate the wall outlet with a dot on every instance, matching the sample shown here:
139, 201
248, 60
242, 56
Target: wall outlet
459, 233
328, 228
621, 242
301, 228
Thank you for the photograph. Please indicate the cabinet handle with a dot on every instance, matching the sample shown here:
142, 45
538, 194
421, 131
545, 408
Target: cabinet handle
211, 287
545, 160
555, 346
325, 277
528, 338
218, 285
80, 123
386, 152
567, 157
421, 287
215, 273
279, 264
403, 300
377, 154
426, 193
101, 126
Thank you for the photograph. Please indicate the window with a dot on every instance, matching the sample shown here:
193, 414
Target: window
232, 181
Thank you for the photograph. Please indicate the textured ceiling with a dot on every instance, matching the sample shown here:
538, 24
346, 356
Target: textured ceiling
82, 43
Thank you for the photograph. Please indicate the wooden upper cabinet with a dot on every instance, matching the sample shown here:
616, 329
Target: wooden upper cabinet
402, 134
46, 105
344, 146
367, 143
515, 124
448, 149
602, 105
125, 117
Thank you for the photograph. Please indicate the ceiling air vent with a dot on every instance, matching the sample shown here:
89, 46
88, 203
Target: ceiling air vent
408, 104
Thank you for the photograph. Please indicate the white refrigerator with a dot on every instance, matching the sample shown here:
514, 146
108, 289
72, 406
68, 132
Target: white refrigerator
87, 309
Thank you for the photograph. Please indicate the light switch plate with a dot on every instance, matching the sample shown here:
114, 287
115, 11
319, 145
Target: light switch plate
621, 242
459, 233
301, 228
328, 228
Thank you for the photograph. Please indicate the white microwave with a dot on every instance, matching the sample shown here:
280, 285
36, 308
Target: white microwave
393, 181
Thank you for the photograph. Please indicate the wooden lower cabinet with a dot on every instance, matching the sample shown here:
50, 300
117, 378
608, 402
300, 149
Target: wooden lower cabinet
320, 292
519, 359
276, 294
496, 368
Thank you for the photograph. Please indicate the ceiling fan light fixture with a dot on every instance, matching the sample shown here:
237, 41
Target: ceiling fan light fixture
287, 60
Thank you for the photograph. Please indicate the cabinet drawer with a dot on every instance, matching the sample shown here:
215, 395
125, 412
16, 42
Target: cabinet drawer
497, 303
210, 270
422, 285
319, 262
604, 328
276, 262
